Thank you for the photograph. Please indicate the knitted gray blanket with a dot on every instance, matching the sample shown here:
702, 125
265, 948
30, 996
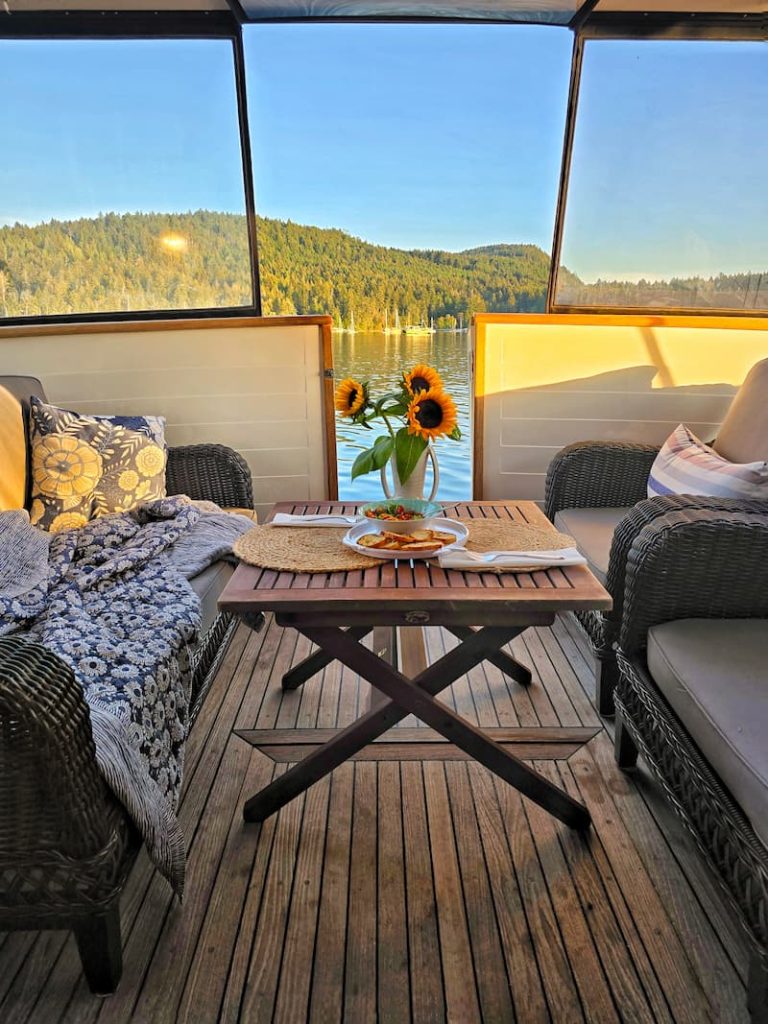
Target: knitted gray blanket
23, 554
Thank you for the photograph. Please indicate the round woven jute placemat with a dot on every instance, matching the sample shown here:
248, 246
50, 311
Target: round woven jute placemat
498, 535
299, 549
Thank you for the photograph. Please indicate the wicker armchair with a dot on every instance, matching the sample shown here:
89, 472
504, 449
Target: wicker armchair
66, 844
693, 565
613, 476
597, 474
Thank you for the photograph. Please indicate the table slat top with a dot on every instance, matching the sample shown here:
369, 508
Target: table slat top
416, 584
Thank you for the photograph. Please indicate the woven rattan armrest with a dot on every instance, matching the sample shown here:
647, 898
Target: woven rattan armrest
642, 515
598, 474
52, 797
210, 472
696, 563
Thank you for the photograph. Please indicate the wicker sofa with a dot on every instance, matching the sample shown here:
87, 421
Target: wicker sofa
692, 695
596, 491
66, 844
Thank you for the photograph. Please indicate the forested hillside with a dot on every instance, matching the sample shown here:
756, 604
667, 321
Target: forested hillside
120, 262
199, 260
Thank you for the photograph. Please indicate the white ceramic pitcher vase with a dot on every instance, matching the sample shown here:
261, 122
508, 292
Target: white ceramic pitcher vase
414, 485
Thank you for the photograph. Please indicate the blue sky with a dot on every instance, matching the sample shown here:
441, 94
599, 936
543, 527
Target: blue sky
88, 127
670, 160
416, 136
419, 136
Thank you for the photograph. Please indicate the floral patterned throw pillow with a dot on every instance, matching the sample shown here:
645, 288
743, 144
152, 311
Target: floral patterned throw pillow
88, 466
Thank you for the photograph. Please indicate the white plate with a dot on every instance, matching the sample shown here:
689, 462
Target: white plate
352, 536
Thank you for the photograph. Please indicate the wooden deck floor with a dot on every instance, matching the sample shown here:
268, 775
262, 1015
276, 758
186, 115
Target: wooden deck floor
401, 891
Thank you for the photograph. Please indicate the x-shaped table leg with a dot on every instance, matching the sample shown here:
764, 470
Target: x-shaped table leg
508, 665
413, 696
300, 673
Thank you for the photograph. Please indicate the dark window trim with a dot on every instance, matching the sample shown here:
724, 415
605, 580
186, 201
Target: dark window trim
565, 170
655, 25
118, 25
140, 315
155, 25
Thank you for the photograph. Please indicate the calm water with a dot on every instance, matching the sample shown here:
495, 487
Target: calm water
380, 359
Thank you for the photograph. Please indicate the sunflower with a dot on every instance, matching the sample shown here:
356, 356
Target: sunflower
421, 378
351, 397
431, 413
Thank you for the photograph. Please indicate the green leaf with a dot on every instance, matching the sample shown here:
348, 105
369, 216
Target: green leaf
363, 463
373, 458
455, 434
408, 449
398, 409
382, 449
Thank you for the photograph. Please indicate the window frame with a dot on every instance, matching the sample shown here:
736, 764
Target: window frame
652, 27
586, 24
153, 25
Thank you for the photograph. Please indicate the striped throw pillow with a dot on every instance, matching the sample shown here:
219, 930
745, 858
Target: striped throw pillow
685, 465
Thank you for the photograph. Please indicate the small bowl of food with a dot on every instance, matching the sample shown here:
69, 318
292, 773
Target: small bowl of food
400, 515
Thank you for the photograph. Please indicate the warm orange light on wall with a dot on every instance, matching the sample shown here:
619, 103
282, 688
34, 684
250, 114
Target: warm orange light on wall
173, 242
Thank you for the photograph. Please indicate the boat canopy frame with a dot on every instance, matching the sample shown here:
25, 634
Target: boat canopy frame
586, 24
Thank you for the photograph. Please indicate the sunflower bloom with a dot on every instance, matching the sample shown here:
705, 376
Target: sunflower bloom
432, 414
64, 467
421, 378
351, 397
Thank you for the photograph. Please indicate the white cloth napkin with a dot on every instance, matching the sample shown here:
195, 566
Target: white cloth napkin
314, 519
459, 558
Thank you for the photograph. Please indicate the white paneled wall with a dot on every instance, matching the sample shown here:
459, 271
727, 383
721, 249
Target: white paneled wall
257, 388
544, 382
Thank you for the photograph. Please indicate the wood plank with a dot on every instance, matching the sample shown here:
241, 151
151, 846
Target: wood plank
591, 982
360, 985
259, 992
459, 980
686, 998
557, 976
394, 999
399, 735
722, 985
206, 982
493, 987
326, 998
172, 949
522, 971
426, 965
613, 896
295, 978
414, 751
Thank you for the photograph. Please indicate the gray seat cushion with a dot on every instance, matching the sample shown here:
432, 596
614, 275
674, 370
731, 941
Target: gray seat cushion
592, 529
714, 674
208, 585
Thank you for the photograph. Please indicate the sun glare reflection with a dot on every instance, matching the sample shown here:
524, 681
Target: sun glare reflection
173, 242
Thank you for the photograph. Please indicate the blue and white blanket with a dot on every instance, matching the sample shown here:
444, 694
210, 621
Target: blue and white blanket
113, 601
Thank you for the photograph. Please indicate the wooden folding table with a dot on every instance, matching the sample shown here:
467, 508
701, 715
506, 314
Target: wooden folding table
485, 610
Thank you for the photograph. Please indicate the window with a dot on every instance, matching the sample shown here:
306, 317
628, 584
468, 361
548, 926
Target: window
121, 183
667, 205
406, 177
